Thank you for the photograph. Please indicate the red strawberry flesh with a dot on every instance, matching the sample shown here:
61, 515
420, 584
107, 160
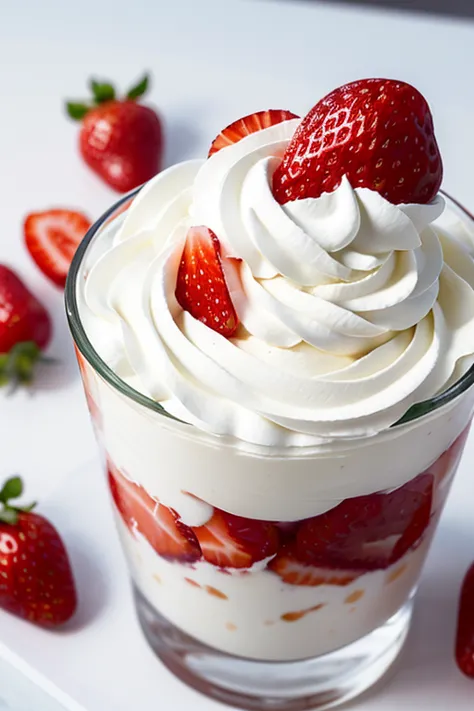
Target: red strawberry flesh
229, 541
52, 238
201, 288
294, 572
368, 532
377, 132
159, 524
247, 125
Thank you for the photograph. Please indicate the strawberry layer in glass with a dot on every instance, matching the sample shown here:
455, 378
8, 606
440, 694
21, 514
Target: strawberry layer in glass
287, 299
274, 557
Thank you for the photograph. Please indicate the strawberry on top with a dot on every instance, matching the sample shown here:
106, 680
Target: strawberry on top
376, 132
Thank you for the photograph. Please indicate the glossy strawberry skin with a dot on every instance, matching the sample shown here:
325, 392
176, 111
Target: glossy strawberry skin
122, 142
22, 317
201, 289
160, 525
37, 582
229, 541
377, 132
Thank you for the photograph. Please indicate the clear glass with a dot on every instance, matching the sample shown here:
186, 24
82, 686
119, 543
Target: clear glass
269, 578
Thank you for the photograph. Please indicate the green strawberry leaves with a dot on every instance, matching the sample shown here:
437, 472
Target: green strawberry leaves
139, 89
76, 110
103, 91
18, 365
12, 489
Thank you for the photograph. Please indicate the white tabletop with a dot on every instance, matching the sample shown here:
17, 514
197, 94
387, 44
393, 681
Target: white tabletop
213, 61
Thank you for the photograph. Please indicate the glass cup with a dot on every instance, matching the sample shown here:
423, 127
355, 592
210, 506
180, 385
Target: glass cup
318, 600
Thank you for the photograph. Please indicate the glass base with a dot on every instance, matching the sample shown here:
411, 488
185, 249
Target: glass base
318, 683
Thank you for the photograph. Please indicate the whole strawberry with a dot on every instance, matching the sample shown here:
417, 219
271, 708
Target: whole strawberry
377, 132
120, 139
36, 582
25, 329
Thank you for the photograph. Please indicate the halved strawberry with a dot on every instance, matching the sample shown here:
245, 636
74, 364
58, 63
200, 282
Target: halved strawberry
159, 524
247, 125
52, 238
464, 650
230, 541
201, 288
294, 572
368, 532
377, 132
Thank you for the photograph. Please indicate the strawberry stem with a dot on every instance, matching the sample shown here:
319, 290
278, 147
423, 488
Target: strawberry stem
12, 489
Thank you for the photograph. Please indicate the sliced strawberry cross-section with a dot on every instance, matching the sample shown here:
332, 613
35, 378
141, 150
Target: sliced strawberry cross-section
377, 132
159, 524
229, 541
247, 125
368, 532
294, 572
52, 238
201, 288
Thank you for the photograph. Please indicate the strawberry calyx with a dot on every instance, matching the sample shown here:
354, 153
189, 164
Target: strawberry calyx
12, 489
18, 365
102, 92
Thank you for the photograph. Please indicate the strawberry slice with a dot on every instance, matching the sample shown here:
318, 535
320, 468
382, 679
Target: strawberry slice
294, 572
159, 524
368, 532
464, 650
377, 132
247, 125
201, 288
230, 541
52, 238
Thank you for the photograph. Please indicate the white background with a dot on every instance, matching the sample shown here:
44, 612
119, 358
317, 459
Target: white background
212, 61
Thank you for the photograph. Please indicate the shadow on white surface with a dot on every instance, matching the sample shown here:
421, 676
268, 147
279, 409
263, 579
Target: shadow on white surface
181, 140
63, 370
426, 674
92, 582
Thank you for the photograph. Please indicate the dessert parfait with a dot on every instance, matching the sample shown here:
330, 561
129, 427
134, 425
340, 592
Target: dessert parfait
276, 346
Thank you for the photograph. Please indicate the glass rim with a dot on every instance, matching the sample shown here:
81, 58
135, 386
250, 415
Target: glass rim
85, 347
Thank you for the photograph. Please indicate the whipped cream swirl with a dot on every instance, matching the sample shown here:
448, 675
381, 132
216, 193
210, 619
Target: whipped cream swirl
351, 309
